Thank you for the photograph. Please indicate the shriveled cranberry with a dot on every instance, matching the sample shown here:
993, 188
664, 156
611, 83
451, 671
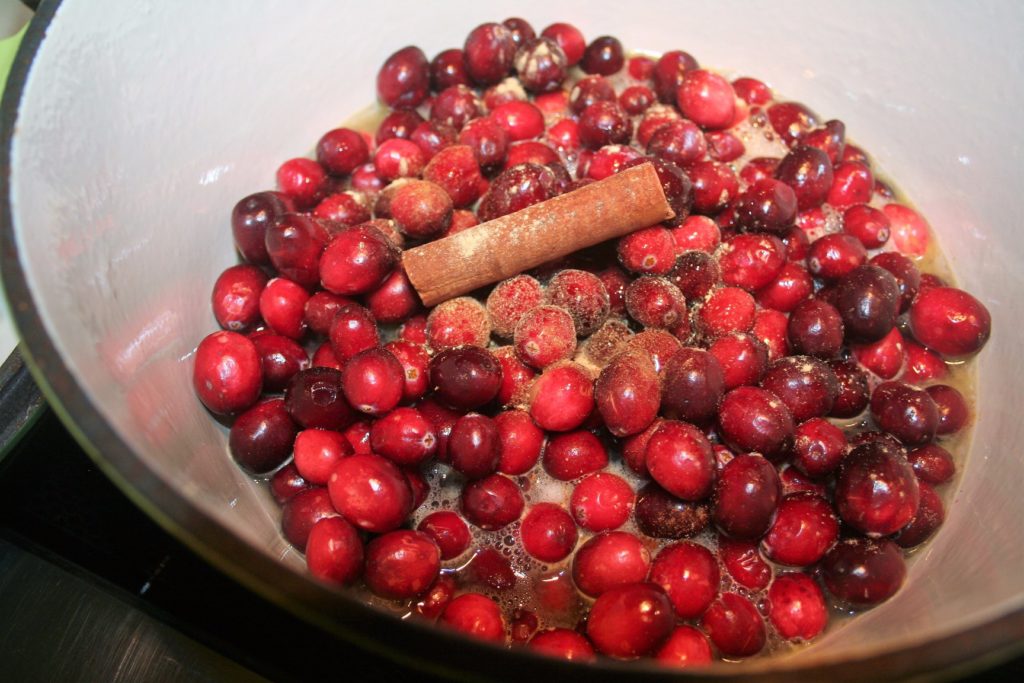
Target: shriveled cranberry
809, 172
404, 79
792, 121
689, 574
489, 51
475, 615
334, 551
300, 513
603, 56
352, 331
251, 217
706, 98
492, 502
863, 571
753, 419
853, 183
751, 261
562, 398
609, 559
562, 643
806, 385
227, 375
466, 377
678, 456
661, 515
950, 321
928, 518
868, 300
628, 393
908, 413
797, 606
734, 625
448, 531
803, 530
371, 492
876, 490
548, 533
746, 495
742, 560
743, 358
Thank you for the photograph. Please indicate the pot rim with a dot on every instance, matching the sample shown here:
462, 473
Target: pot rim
411, 642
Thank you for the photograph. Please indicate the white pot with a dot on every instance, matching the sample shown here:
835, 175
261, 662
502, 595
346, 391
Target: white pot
139, 126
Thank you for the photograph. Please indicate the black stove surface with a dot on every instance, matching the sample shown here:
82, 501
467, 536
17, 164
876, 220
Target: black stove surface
92, 589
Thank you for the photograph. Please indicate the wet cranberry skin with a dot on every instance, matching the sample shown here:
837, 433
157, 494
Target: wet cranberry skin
562, 398
228, 373
769, 205
864, 572
929, 517
448, 531
448, 68
466, 377
548, 533
415, 368
854, 393
743, 356
726, 310
373, 381
746, 496
806, 385
678, 456
804, 529
604, 123
295, 243
792, 121
569, 38
574, 454
876, 490
686, 647
281, 359
357, 261
818, 447
953, 410
603, 56
352, 331
475, 615
474, 446
689, 574
751, 261
251, 217
809, 172
261, 437
908, 413
753, 419
489, 52
830, 257
714, 186
734, 626
492, 502
302, 180
515, 376
404, 436
521, 442
563, 644
742, 560
853, 183
868, 300
401, 564
317, 452
932, 464
236, 295
287, 483
371, 492
908, 277
334, 551
950, 321
302, 512
798, 610
404, 79
601, 502
628, 393
706, 99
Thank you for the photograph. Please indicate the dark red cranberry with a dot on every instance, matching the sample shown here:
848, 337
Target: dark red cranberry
854, 393
541, 65
590, 90
302, 512
746, 495
563, 644
818, 447
689, 574
492, 502
928, 518
404, 80
868, 300
548, 533
863, 571
334, 551
433, 602
343, 208
753, 419
250, 219
604, 123
517, 188
816, 329
908, 277
287, 483
950, 321
809, 172
752, 91
751, 261
448, 68
341, 151
908, 413
489, 51
433, 136
604, 56
932, 464
294, 243
797, 607
466, 377
303, 180
489, 567
661, 515
725, 147
792, 121
803, 530
635, 99
876, 490
448, 531
715, 186
353, 330
680, 142
475, 615
569, 38
768, 205
830, 139
261, 438
281, 359
953, 410
678, 456
488, 140
401, 564
583, 295
695, 274
315, 399
806, 385
734, 625
562, 398
742, 560
628, 393
474, 446
609, 559
365, 179
227, 375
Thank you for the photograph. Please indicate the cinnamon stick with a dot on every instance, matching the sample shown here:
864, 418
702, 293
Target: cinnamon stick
506, 246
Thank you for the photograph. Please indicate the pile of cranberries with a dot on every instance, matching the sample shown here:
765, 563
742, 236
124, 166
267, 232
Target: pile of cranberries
692, 443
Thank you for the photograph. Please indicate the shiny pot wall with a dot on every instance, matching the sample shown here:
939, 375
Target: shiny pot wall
140, 126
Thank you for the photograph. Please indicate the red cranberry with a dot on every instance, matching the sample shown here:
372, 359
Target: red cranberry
401, 564
863, 571
564, 135
448, 531
818, 447
679, 141
928, 518
725, 147
520, 120
609, 559
950, 321
474, 446
604, 123
357, 261
395, 300
433, 602
580, 293
714, 186
352, 331
541, 65
341, 151
752, 91
466, 377
806, 385
635, 99
908, 413
655, 302
475, 615
563, 644
659, 514
530, 152
922, 365
489, 51
448, 68
302, 512
792, 121
660, 346
590, 90
516, 376
868, 300
398, 124
809, 172
294, 244
734, 625
803, 530
571, 455
404, 436
371, 492
456, 170
797, 607
628, 393
236, 296
317, 452
250, 219
830, 257
548, 532
261, 438
884, 357
569, 38
876, 490
869, 225
830, 139
650, 250
365, 179
492, 502
771, 329
517, 188
521, 442
668, 73
686, 647
791, 286
707, 99
753, 419
746, 495
398, 158
695, 274
227, 375
343, 208
545, 335
358, 436
769, 205
908, 277
816, 329
797, 243
287, 483
601, 502
433, 136
853, 184
281, 358
910, 232
932, 464
488, 140
373, 381
334, 551
282, 306
562, 398
728, 309
420, 208
742, 560
603, 56
455, 106
489, 567
689, 575
611, 159
679, 457
457, 322
630, 620
751, 261
953, 411
302, 180
404, 79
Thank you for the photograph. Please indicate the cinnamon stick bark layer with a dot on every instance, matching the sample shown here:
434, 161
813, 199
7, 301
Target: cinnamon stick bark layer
506, 246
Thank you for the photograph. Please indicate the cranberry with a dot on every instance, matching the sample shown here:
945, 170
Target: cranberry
746, 495
521, 29
726, 310
530, 152
488, 140
604, 123
635, 99
404, 436
734, 625
863, 571
791, 286
661, 515
474, 446
317, 452
357, 260
603, 56
314, 399
433, 136
521, 441
492, 502
590, 90
922, 365
341, 151
693, 385
281, 358
448, 68
517, 188
678, 141
458, 322
685, 647
404, 79
564, 135
630, 620
678, 456
743, 359
352, 331
742, 560
398, 158
401, 564
660, 346
601, 502
932, 464
261, 438
910, 232
303, 181
609, 559
950, 321
853, 183
753, 419
669, 71
334, 551
830, 257
398, 124
548, 533
696, 273
725, 147
466, 377
650, 250
628, 393
908, 277
707, 99
371, 492
236, 296
953, 411
876, 490
818, 447
771, 329
456, 170
580, 293
562, 398
358, 436
373, 381
545, 335
420, 208
751, 261
250, 219
806, 385
809, 172
227, 375
448, 531
655, 302
689, 575
868, 300
516, 376
792, 121
908, 413
768, 205
869, 225
797, 606
294, 244
287, 483
343, 208
302, 512
436, 598
475, 615
928, 518
541, 65
366, 180
803, 530
282, 306
571, 455
569, 38
563, 644
816, 329
414, 330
